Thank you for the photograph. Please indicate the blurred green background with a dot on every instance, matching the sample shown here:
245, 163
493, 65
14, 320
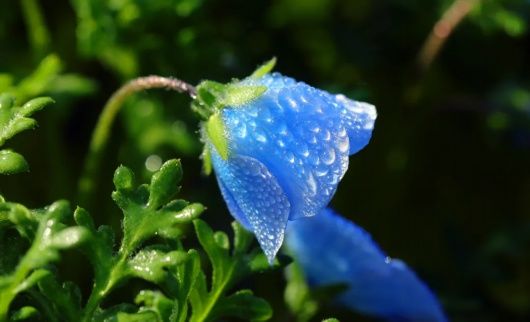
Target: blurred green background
444, 184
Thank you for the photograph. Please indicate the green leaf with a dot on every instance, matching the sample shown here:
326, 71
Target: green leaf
70, 237
37, 83
227, 269
264, 69
35, 105
330, 320
215, 130
151, 264
164, 184
24, 313
48, 235
297, 295
155, 301
244, 305
123, 178
13, 119
12, 162
31, 280
148, 212
302, 301
66, 297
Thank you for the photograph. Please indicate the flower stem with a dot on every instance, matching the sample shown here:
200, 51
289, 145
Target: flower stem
443, 28
101, 132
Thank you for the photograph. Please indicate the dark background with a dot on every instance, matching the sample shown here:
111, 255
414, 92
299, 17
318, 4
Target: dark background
444, 183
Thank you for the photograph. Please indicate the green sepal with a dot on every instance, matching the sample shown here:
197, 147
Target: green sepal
214, 96
215, 130
236, 95
264, 69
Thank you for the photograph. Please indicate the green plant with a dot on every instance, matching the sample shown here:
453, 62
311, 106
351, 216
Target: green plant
149, 211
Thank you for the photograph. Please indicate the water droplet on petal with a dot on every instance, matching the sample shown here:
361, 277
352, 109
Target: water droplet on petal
328, 156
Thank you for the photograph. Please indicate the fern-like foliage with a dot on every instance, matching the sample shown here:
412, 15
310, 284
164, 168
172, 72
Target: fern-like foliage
149, 210
13, 120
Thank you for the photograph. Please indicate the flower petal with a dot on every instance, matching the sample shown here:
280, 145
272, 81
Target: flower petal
359, 119
255, 199
332, 250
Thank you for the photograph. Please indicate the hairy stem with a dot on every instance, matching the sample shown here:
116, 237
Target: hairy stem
101, 132
443, 28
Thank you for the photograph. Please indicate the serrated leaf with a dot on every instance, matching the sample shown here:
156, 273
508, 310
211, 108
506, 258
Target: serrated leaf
264, 69
164, 184
12, 162
227, 269
13, 120
148, 212
151, 264
50, 236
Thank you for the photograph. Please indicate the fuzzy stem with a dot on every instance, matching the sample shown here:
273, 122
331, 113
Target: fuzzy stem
443, 28
101, 132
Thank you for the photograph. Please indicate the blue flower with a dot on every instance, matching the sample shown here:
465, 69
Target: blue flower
282, 153
331, 249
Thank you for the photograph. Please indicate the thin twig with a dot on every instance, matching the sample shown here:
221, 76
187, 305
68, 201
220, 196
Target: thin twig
443, 29
104, 124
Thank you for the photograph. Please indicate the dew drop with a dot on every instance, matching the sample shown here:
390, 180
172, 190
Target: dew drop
328, 156
153, 163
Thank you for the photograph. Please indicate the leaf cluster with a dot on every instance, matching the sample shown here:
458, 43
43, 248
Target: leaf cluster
13, 120
151, 249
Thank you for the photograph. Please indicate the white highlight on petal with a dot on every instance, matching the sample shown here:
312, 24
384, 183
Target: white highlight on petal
360, 108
